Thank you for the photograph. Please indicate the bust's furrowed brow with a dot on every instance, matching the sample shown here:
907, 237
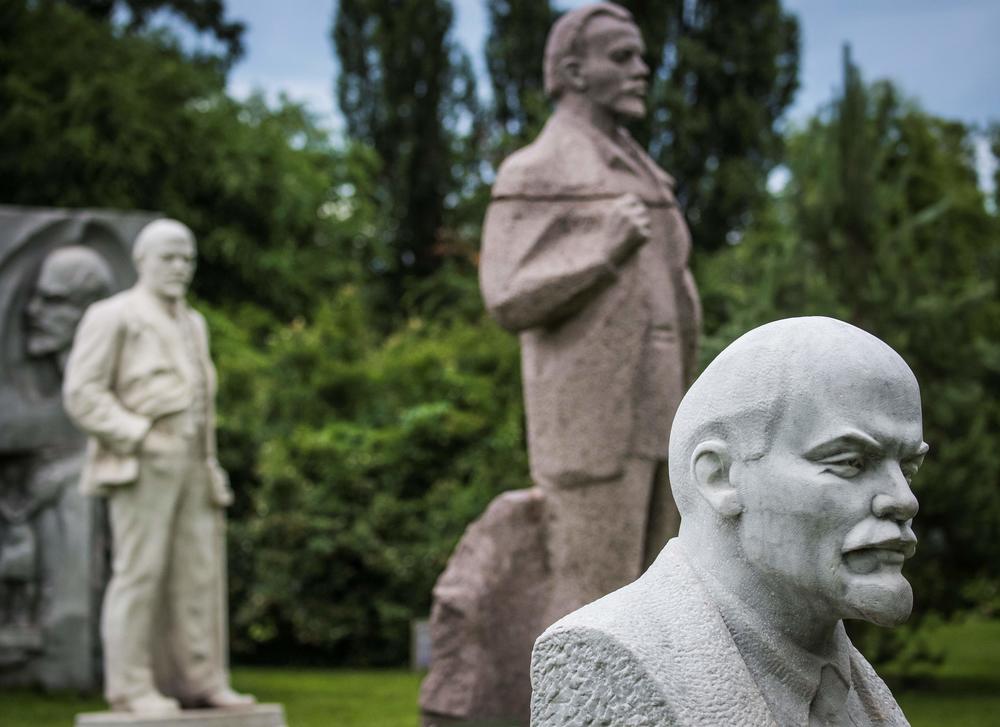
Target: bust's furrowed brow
854, 439
851, 439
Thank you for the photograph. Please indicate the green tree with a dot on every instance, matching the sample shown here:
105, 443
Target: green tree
515, 46
405, 89
883, 224
723, 74
372, 456
994, 137
202, 16
143, 125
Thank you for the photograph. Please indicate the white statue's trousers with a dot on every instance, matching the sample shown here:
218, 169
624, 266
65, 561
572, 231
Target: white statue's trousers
603, 535
164, 604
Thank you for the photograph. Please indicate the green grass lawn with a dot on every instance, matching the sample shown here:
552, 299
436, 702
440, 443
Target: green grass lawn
964, 693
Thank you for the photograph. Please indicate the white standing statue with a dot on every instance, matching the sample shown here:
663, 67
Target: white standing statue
140, 382
790, 461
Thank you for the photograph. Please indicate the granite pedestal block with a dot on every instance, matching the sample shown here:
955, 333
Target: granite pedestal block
260, 715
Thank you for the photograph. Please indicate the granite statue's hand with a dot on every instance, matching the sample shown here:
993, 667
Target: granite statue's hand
630, 225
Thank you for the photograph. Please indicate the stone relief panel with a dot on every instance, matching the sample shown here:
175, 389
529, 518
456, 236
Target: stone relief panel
53, 546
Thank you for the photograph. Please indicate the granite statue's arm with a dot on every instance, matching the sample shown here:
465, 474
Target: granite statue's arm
87, 394
542, 260
583, 676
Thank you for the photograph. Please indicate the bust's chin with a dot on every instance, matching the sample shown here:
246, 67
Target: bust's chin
883, 599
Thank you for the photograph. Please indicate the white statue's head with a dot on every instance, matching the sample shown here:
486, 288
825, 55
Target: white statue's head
595, 51
164, 255
793, 454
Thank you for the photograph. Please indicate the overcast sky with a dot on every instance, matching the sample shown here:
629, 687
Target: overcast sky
945, 53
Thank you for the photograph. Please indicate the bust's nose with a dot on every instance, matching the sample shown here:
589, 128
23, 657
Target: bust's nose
897, 500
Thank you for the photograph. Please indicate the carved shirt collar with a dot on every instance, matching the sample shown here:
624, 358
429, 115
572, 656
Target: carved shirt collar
787, 675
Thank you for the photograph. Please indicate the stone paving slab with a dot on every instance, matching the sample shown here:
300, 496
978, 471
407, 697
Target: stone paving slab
260, 715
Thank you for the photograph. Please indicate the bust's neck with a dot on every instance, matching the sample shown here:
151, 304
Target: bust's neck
778, 606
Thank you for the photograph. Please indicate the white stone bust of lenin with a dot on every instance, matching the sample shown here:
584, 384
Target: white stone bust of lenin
790, 461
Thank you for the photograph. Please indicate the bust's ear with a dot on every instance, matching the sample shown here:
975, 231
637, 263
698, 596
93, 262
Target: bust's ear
710, 466
569, 71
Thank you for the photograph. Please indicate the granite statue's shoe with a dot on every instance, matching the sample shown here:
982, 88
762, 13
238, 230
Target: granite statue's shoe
228, 699
152, 703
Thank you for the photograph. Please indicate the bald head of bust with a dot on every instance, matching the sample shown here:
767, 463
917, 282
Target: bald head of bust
790, 460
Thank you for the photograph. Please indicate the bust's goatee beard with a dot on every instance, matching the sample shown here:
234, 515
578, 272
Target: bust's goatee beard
881, 603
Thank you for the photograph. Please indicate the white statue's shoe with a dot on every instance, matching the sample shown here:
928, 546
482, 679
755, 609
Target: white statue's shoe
228, 698
151, 703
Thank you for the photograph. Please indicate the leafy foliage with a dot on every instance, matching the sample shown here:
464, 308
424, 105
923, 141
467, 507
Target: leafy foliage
405, 88
723, 74
142, 125
883, 224
372, 457
514, 50
202, 16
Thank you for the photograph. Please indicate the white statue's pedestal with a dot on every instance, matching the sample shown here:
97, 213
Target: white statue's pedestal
259, 715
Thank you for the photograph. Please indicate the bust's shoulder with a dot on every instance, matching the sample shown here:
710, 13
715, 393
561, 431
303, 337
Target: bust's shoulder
612, 652
627, 615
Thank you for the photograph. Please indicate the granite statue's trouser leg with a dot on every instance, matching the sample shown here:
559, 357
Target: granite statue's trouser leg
193, 590
598, 534
142, 520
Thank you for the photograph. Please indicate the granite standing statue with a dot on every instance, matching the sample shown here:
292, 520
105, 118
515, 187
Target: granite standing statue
585, 255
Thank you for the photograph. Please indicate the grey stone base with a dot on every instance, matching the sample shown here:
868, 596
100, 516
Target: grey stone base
260, 715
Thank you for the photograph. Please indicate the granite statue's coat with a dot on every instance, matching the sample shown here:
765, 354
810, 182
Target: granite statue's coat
597, 385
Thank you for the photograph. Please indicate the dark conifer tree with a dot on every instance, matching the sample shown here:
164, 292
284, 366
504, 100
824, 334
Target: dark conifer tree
514, 50
405, 89
204, 16
723, 73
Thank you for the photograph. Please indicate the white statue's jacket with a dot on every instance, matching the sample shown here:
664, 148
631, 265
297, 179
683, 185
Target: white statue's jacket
127, 371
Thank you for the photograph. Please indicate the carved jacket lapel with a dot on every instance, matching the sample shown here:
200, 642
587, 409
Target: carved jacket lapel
167, 330
706, 679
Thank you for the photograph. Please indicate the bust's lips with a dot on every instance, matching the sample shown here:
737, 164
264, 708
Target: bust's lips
869, 557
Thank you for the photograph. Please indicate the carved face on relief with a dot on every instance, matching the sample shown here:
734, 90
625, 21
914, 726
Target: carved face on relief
827, 512
611, 69
71, 278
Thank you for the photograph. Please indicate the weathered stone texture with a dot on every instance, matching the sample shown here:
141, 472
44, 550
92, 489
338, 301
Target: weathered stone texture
489, 606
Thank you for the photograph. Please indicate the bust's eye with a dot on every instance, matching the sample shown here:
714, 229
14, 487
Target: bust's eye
910, 470
847, 464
